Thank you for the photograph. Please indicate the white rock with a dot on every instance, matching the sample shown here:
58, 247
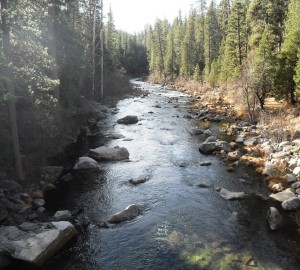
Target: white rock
62, 215
296, 171
86, 163
35, 243
104, 153
129, 212
230, 195
283, 195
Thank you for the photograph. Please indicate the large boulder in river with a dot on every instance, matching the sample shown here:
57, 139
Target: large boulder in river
86, 163
128, 213
35, 243
105, 153
127, 120
231, 195
274, 218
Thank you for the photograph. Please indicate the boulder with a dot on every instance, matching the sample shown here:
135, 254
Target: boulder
274, 218
270, 169
128, 213
291, 204
51, 173
127, 120
230, 195
296, 171
283, 195
138, 180
224, 146
104, 153
63, 215
290, 178
86, 163
208, 147
295, 185
39, 202
210, 139
35, 243
10, 185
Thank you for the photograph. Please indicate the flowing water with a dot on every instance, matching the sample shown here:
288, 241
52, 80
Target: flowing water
182, 226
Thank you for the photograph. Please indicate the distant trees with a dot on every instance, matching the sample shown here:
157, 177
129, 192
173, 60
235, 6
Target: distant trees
216, 42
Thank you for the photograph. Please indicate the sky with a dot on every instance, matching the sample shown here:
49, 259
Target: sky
132, 15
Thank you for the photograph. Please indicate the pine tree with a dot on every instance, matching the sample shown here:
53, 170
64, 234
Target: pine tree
285, 84
236, 44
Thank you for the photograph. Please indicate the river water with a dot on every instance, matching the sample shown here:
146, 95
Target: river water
182, 226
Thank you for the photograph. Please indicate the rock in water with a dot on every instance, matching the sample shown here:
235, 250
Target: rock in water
283, 195
62, 215
86, 163
230, 195
291, 204
139, 180
130, 212
127, 120
35, 243
274, 218
208, 147
105, 153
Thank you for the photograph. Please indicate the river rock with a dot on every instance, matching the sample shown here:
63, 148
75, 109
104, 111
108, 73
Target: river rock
138, 180
39, 202
210, 139
104, 153
128, 213
35, 243
51, 173
291, 204
116, 136
296, 171
274, 218
86, 163
127, 120
290, 178
283, 195
230, 195
63, 215
208, 147
10, 185
295, 185
270, 169
223, 145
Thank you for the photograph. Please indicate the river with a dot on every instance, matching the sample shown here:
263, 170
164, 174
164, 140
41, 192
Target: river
182, 226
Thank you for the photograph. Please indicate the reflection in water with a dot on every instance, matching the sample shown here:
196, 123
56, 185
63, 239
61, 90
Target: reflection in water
182, 226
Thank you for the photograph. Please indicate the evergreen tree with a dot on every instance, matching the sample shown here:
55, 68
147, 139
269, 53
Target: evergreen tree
213, 37
236, 44
285, 84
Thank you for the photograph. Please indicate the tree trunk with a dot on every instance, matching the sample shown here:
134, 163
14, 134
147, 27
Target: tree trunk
52, 17
11, 90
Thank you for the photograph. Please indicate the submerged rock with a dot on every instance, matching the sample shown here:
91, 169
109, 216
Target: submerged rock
230, 195
86, 163
127, 120
105, 153
128, 213
274, 218
35, 243
138, 180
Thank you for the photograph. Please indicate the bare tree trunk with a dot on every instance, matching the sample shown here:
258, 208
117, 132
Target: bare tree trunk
52, 17
11, 90
101, 51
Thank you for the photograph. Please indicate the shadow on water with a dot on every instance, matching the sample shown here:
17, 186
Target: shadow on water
182, 226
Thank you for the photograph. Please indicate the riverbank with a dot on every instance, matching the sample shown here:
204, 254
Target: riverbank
271, 145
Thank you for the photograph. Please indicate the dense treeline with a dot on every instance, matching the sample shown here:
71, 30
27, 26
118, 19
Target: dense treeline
255, 42
51, 54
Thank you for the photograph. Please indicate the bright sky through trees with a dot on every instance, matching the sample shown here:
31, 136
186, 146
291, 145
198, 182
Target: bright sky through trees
132, 15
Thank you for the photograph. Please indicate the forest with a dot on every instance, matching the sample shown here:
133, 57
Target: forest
51, 53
